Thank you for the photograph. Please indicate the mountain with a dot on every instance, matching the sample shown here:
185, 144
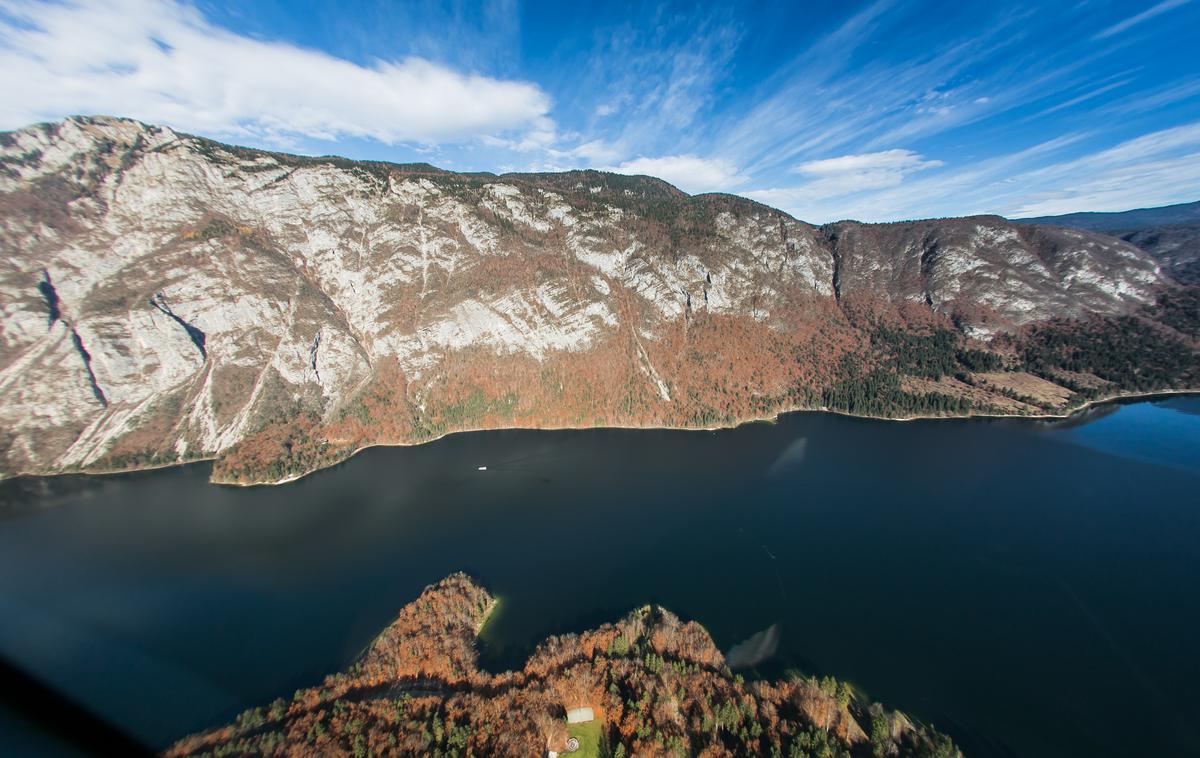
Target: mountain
1170, 234
168, 298
653, 685
1141, 218
1176, 248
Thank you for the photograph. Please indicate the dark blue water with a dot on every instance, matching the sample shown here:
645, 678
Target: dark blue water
1032, 588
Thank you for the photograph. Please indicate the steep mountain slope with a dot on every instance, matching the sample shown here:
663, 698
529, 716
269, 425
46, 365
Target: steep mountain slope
168, 298
1170, 234
991, 275
656, 686
1176, 248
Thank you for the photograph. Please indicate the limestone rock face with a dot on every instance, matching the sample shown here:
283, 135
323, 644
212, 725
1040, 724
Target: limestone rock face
167, 298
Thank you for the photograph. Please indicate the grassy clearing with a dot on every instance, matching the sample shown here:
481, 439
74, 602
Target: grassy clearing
1024, 384
589, 739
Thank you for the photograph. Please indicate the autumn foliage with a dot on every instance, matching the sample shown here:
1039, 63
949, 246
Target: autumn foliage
658, 685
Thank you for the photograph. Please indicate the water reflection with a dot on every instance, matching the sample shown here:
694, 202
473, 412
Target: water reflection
792, 455
755, 651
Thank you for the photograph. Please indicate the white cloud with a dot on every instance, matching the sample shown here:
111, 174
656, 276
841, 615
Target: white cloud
596, 151
688, 172
842, 176
162, 61
1145, 15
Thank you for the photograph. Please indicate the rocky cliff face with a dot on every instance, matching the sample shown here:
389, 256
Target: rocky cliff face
168, 298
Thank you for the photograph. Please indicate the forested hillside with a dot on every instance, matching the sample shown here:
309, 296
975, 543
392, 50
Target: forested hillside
656, 685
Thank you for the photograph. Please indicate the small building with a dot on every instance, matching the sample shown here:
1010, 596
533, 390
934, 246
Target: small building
580, 715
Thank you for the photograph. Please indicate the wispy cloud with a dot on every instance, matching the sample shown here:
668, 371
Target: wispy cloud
833, 98
649, 88
845, 101
833, 178
953, 191
894, 162
1149, 101
1138, 18
162, 61
1092, 93
1152, 169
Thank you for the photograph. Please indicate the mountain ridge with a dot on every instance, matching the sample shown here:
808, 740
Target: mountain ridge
1170, 234
170, 298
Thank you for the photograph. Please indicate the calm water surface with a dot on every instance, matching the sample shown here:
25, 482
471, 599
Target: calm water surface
1033, 589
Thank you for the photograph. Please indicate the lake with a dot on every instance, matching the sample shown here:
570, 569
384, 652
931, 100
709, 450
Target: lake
1031, 588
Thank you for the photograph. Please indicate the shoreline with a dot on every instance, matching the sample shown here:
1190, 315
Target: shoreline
1106, 400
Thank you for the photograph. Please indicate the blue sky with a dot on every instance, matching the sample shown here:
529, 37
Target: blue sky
877, 111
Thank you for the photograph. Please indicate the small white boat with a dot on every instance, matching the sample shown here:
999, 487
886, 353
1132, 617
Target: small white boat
483, 468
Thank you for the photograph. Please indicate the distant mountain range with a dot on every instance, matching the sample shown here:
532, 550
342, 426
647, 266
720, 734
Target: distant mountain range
1170, 233
1140, 218
168, 298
